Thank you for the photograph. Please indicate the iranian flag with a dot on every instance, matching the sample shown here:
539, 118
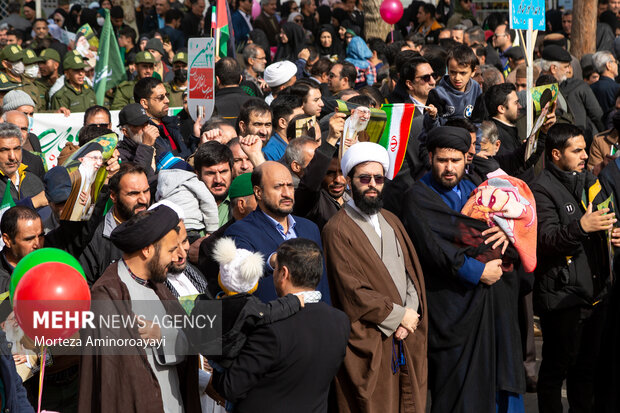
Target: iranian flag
223, 28
396, 133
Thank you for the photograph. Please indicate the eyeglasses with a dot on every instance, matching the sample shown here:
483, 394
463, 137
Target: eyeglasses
332, 75
298, 20
295, 8
365, 179
160, 98
499, 35
427, 78
24, 129
99, 125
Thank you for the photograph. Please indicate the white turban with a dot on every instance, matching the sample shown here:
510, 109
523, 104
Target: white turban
364, 152
279, 73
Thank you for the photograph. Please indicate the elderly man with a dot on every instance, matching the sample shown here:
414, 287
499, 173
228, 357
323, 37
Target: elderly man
33, 162
162, 379
268, 22
382, 292
606, 88
254, 59
140, 137
472, 288
279, 76
272, 223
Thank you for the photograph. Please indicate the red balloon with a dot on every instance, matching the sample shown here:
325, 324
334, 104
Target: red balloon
391, 11
50, 300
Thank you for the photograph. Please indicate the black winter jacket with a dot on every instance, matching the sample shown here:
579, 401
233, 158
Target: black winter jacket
573, 266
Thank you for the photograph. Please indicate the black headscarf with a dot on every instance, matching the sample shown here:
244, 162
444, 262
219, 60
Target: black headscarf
325, 15
336, 47
90, 16
296, 41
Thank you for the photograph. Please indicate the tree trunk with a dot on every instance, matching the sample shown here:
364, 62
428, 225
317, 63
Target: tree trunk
583, 31
374, 26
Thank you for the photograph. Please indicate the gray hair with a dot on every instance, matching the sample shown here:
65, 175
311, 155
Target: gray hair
545, 65
250, 51
265, 2
490, 76
600, 60
460, 27
476, 35
489, 131
8, 130
295, 150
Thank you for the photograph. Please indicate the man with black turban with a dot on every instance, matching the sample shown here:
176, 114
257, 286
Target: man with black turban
474, 348
154, 379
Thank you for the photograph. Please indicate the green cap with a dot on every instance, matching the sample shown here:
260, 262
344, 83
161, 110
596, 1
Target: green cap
12, 53
241, 186
73, 62
30, 57
145, 57
180, 57
6, 84
50, 54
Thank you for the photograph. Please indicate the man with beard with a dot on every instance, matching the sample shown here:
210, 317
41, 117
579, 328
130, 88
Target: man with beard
382, 292
152, 95
138, 145
272, 223
130, 194
160, 379
255, 60
213, 164
474, 350
255, 119
503, 107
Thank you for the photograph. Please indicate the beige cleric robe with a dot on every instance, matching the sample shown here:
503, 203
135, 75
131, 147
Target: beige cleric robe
361, 285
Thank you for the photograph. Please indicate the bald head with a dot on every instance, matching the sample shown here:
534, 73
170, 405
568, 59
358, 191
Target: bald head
18, 119
273, 189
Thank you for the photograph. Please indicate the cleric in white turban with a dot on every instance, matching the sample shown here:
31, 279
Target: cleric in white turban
364, 152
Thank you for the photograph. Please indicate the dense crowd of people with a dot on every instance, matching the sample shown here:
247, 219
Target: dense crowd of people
342, 290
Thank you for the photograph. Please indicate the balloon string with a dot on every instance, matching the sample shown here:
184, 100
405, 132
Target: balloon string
41, 373
392, 32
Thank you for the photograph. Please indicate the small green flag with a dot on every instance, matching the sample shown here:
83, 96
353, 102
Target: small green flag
7, 199
109, 71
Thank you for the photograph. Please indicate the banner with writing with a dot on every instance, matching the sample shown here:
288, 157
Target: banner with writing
201, 81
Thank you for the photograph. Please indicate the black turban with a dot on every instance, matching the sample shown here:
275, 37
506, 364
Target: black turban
144, 229
449, 137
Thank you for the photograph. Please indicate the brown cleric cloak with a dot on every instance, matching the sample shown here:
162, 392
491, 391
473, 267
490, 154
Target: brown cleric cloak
362, 287
126, 383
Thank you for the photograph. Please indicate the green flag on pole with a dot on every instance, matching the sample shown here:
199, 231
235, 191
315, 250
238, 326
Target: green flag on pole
109, 71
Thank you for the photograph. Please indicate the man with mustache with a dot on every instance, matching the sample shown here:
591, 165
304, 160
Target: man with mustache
573, 272
161, 379
130, 194
272, 223
375, 278
213, 164
471, 285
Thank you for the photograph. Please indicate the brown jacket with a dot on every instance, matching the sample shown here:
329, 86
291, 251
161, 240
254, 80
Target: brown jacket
362, 287
127, 383
601, 147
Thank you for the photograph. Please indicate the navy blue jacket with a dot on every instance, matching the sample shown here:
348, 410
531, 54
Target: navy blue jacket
605, 91
240, 25
257, 233
14, 397
177, 38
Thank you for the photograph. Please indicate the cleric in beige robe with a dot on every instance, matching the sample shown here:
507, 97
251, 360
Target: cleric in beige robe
376, 279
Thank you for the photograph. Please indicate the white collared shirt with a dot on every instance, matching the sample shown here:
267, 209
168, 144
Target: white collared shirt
247, 18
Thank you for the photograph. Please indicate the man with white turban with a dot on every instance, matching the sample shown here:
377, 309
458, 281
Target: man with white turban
375, 278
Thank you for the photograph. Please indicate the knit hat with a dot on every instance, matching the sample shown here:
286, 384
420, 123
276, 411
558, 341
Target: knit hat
15, 99
240, 269
155, 44
241, 186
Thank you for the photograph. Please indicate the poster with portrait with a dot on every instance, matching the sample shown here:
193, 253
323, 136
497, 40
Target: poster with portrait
86, 167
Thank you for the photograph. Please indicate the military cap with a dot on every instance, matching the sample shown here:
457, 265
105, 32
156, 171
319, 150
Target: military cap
555, 53
73, 62
145, 57
30, 57
50, 54
6, 84
12, 53
180, 57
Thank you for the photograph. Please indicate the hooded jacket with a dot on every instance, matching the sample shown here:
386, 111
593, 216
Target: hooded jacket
185, 190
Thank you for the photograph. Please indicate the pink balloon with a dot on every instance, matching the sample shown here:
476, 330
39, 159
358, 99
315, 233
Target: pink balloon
391, 11
255, 9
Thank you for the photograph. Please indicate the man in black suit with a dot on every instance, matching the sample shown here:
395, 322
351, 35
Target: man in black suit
288, 365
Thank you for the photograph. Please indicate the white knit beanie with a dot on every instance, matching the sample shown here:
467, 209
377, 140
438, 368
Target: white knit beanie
15, 99
240, 269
